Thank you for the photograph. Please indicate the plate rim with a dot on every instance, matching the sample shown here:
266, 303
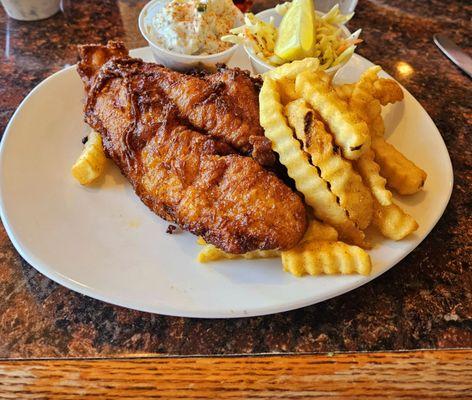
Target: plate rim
95, 293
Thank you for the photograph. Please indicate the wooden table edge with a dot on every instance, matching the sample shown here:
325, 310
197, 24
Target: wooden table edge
406, 374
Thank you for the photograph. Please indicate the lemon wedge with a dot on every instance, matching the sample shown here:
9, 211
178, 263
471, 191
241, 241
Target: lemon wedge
296, 36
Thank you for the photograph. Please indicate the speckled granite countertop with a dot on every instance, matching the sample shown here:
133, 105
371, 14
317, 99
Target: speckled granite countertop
424, 302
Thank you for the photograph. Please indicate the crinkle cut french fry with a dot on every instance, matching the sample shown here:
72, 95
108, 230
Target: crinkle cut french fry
401, 173
285, 76
393, 222
319, 231
370, 92
350, 132
387, 91
371, 74
326, 257
368, 108
369, 171
374, 114
364, 103
344, 91
287, 90
316, 231
305, 175
292, 69
210, 252
344, 182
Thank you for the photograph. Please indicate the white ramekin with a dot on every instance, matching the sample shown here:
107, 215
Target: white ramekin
31, 10
259, 66
345, 6
171, 59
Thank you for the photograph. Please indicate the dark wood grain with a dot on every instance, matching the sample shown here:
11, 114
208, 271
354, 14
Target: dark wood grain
412, 375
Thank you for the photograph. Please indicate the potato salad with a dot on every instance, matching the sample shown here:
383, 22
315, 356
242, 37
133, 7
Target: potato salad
194, 27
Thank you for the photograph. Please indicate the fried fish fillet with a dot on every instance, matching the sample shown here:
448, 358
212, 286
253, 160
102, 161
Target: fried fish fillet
181, 173
93, 56
224, 105
243, 92
208, 105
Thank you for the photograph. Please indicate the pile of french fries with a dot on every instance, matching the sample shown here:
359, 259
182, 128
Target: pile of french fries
331, 140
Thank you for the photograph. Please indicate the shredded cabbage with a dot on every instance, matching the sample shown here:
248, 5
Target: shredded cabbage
331, 48
260, 36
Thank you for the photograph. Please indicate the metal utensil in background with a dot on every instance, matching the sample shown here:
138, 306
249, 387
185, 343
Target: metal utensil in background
454, 53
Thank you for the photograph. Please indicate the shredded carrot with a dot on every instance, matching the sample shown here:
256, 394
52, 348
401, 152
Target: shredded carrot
343, 47
346, 44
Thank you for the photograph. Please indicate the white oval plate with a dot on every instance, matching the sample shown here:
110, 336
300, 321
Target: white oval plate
103, 242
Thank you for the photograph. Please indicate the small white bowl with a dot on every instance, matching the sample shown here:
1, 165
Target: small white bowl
31, 10
261, 66
172, 59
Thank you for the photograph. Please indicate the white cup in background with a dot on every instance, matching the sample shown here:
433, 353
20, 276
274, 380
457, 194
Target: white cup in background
31, 10
346, 6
